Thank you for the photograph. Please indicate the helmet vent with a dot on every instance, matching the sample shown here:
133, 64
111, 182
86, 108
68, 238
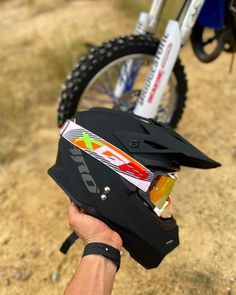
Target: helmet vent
154, 145
179, 139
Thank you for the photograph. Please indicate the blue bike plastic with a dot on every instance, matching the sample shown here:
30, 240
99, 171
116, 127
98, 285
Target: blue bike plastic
213, 14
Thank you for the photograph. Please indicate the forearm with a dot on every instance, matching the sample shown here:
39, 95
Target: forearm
95, 275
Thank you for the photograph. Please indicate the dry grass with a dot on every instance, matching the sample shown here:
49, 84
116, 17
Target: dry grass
27, 84
133, 8
15, 98
197, 282
31, 76
58, 59
41, 6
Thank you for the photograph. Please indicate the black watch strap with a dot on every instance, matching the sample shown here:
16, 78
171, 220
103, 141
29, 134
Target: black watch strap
68, 242
105, 250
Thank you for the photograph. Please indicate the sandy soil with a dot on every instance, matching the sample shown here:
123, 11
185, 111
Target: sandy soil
33, 209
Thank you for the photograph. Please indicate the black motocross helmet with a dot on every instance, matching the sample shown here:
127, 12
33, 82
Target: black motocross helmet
147, 236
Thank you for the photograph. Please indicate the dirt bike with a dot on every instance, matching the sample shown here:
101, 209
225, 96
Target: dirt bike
141, 74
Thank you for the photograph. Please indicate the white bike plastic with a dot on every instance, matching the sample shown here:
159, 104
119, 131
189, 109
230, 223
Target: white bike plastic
159, 75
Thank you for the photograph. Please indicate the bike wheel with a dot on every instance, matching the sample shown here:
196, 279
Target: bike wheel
92, 81
207, 43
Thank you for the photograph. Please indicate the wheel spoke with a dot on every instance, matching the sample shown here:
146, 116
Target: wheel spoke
209, 40
102, 89
110, 86
96, 99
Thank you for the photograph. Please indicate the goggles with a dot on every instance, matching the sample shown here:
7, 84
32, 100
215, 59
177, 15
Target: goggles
158, 187
160, 191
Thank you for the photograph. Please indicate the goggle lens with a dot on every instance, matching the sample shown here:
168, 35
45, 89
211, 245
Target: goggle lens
161, 189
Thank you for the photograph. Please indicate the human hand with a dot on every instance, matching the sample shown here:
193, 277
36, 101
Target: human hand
92, 230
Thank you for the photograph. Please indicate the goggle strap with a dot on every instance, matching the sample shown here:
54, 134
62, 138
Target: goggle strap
158, 211
108, 154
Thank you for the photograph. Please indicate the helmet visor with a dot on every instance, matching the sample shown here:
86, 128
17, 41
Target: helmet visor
161, 189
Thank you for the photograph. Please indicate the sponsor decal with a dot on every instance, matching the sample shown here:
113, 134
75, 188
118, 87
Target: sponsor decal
166, 55
160, 74
155, 86
162, 55
108, 154
196, 10
193, 14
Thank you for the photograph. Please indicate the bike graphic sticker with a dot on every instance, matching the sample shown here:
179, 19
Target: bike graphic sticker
108, 154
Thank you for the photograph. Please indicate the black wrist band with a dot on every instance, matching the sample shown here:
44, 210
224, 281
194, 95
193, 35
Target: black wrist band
105, 250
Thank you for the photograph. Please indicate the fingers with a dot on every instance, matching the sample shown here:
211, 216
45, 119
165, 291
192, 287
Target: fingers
74, 215
73, 209
83, 211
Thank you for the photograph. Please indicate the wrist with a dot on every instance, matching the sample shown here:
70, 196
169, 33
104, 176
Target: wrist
112, 238
105, 250
100, 260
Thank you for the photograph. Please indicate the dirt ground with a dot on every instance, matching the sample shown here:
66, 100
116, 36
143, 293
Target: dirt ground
33, 209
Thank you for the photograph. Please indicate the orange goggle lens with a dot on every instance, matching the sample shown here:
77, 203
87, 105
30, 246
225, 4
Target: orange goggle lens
161, 189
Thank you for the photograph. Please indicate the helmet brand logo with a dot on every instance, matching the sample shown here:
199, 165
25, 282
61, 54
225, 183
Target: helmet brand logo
84, 171
134, 143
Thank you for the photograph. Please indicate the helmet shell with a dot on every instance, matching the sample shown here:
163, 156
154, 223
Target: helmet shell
147, 237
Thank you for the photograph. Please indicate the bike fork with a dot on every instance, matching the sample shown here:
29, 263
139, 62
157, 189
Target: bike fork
176, 33
147, 23
159, 75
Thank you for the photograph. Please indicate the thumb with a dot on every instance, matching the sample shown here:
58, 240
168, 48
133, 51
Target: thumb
74, 212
